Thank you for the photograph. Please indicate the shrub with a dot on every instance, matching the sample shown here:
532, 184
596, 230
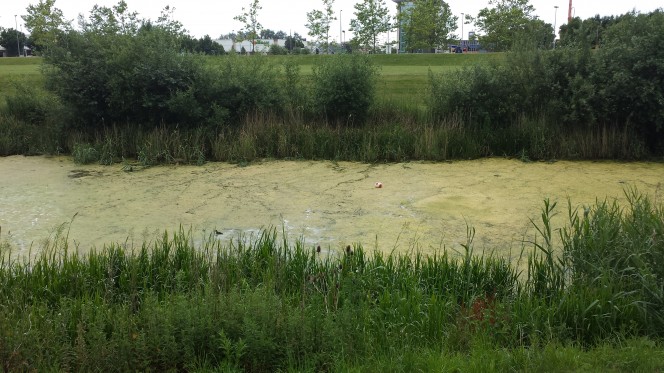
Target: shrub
119, 73
35, 106
344, 87
629, 74
85, 154
276, 49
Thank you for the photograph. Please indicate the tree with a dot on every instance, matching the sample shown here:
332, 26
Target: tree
372, 19
267, 34
208, 46
120, 69
8, 39
587, 32
428, 24
318, 21
252, 27
295, 41
45, 23
505, 23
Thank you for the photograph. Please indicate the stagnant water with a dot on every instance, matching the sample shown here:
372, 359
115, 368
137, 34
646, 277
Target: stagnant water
424, 205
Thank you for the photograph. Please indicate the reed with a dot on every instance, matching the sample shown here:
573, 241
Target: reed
264, 303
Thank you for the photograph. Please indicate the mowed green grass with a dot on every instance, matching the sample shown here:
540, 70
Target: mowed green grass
18, 71
403, 77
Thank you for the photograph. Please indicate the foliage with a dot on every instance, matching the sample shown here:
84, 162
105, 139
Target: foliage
208, 46
276, 49
587, 32
294, 42
509, 21
10, 39
249, 17
319, 21
45, 23
373, 18
428, 25
618, 86
119, 69
629, 72
344, 87
262, 303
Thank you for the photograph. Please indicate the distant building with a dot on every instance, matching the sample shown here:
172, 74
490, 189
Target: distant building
469, 45
402, 6
261, 45
3, 51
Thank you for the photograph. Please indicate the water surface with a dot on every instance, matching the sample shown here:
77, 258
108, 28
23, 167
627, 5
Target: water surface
424, 205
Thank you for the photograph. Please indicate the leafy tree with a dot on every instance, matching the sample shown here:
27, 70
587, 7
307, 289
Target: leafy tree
319, 21
45, 23
120, 69
428, 24
373, 18
295, 41
8, 40
585, 32
230, 35
505, 23
629, 74
267, 34
539, 34
344, 87
252, 27
208, 46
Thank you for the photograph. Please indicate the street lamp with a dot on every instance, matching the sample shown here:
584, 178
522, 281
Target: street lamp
462, 14
340, 30
18, 45
555, 21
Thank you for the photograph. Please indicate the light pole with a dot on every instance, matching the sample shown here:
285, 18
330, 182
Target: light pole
18, 45
462, 14
340, 30
555, 21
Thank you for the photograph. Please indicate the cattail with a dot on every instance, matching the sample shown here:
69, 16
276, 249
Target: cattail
318, 249
348, 250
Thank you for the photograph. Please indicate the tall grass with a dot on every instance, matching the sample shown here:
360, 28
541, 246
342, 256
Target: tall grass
263, 303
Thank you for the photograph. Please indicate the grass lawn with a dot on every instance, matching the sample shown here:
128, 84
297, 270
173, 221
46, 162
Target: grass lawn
403, 78
15, 71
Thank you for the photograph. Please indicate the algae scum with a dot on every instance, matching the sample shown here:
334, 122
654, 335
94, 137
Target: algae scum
420, 205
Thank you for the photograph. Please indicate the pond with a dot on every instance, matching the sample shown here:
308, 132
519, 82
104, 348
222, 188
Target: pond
426, 206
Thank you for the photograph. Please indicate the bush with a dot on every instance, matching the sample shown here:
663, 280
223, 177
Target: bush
629, 75
84, 154
238, 86
344, 87
111, 73
618, 86
276, 49
35, 106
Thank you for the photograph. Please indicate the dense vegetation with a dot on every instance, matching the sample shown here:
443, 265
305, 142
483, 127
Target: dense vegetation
265, 304
125, 91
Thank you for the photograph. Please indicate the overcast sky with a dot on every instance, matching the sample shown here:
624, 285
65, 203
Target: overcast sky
216, 17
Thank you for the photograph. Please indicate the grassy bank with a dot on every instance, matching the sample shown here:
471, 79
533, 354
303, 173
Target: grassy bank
423, 109
264, 303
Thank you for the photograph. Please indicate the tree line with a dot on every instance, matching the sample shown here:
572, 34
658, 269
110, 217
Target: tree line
427, 25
